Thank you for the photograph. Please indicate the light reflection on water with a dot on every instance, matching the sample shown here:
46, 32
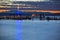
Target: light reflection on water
30, 29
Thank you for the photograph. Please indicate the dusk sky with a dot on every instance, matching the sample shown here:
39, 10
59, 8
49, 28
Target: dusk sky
37, 0
31, 0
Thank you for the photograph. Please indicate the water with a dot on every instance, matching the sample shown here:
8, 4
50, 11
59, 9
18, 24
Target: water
29, 30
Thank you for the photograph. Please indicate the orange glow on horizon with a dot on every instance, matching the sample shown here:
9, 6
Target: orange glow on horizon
51, 11
4, 10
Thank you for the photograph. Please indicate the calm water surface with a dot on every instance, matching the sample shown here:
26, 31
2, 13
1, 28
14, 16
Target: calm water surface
29, 30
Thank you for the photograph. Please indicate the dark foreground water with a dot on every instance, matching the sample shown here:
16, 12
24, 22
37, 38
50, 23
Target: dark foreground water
29, 30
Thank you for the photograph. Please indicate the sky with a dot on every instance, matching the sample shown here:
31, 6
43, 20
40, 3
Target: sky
39, 0
30, 0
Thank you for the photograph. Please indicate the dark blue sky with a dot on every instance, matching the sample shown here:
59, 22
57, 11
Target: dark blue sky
51, 5
54, 4
55, 0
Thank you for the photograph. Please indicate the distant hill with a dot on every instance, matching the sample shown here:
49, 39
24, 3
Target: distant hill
28, 13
